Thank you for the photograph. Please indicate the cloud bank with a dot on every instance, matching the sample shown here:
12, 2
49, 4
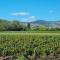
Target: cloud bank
26, 16
31, 18
51, 11
20, 14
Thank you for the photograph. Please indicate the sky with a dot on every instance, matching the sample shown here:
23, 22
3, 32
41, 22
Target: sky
30, 10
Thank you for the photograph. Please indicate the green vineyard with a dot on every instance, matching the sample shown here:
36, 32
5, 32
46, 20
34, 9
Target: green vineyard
29, 45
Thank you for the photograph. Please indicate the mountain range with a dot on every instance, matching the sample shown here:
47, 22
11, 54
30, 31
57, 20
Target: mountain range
52, 24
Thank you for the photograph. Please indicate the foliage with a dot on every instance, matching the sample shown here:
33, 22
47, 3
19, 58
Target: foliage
6, 25
28, 45
11, 26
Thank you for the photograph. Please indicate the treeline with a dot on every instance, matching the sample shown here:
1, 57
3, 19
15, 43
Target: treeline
6, 25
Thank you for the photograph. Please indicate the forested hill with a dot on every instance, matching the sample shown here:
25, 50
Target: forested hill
14, 25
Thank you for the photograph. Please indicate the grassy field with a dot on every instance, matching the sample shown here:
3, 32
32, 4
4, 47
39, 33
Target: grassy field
31, 32
30, 45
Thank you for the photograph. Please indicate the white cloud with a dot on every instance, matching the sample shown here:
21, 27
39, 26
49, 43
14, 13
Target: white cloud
31, 18
20, 14
51, 11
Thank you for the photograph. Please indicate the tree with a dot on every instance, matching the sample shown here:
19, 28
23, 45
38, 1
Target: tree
43, 28
28, 26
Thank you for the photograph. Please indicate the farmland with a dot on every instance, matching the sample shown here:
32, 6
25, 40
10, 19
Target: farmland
30, 45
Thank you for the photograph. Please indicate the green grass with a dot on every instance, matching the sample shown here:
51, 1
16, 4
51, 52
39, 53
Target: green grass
20, 58
26, 43
29, 31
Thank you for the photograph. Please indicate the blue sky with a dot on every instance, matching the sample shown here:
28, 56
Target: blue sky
29, 10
